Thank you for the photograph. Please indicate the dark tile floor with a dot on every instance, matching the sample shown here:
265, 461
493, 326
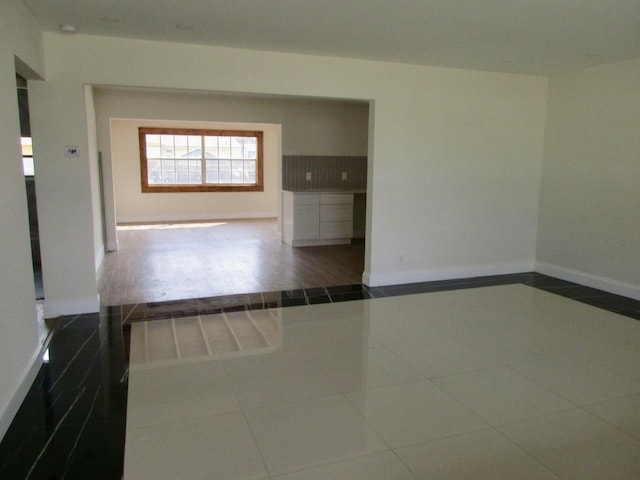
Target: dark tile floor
72, 423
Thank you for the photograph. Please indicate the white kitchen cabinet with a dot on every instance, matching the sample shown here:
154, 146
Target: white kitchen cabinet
317, 218
305, 225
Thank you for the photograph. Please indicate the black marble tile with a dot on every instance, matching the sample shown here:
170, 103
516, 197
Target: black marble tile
296, 293
138, 312
261, 306
406, 289
57, 454
79, 322
210, 311
473, 282
69, 335
292, 302
231, 303
44, 456
376, 292
99, 454
320, 298
502, 279
444, 287
616, 304
542, 281
82, 384
255, 299
346, 289
235, 308
126, 310
114, 314
16, 452
270, 297
349, 296
312, 292
72, 421
48, 451
573, 291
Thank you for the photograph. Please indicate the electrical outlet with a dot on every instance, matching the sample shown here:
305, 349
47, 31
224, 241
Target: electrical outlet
308, 176
344, 175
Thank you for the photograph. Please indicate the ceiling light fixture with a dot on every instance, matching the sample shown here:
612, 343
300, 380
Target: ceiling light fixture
68, 28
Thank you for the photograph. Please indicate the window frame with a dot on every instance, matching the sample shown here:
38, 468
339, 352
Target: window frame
204, 187
25, 146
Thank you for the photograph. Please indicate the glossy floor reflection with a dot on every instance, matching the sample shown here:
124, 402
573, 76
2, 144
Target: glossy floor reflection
500, 381
366, 360
71, 425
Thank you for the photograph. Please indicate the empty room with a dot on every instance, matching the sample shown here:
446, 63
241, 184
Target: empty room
218, 240
479, 160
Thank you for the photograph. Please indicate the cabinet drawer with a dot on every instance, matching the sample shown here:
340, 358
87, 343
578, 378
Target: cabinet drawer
336, 213
336, 198
306, 199
336, 230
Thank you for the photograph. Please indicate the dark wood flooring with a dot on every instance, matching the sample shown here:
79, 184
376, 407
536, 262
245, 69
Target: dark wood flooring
172, 261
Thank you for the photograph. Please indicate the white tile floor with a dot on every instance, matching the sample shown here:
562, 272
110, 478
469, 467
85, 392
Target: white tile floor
486, 383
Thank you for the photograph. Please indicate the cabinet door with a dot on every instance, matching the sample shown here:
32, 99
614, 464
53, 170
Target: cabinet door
336, 198
336, 213
306, 222
330, 230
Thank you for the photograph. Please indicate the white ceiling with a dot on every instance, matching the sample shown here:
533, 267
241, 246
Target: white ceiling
542, 37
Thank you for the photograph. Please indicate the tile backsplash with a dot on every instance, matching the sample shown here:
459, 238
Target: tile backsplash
326, 172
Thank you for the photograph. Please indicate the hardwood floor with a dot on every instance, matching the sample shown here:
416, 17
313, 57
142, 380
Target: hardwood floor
172, 261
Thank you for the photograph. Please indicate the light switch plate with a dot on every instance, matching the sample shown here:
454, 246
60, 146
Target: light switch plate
71, 151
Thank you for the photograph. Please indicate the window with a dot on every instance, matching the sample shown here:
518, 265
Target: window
189, 160
27, 156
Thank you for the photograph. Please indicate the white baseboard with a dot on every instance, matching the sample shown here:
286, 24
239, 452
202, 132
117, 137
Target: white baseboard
397, 278
194, 217
595, 281
71, 306
11, 408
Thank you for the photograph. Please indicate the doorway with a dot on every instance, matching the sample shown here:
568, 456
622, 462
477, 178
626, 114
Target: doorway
307, 128
30, 183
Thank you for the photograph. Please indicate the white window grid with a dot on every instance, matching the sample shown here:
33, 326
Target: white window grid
201, 159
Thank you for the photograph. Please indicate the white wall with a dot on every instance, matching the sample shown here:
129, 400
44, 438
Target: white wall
456, 172
65, 186
18, 328
94, 175
454, 157
309, 126
589, 228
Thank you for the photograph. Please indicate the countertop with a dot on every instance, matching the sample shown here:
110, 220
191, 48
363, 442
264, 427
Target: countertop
326, 190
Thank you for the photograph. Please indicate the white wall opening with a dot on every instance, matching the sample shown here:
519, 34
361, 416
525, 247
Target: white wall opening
291, 126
